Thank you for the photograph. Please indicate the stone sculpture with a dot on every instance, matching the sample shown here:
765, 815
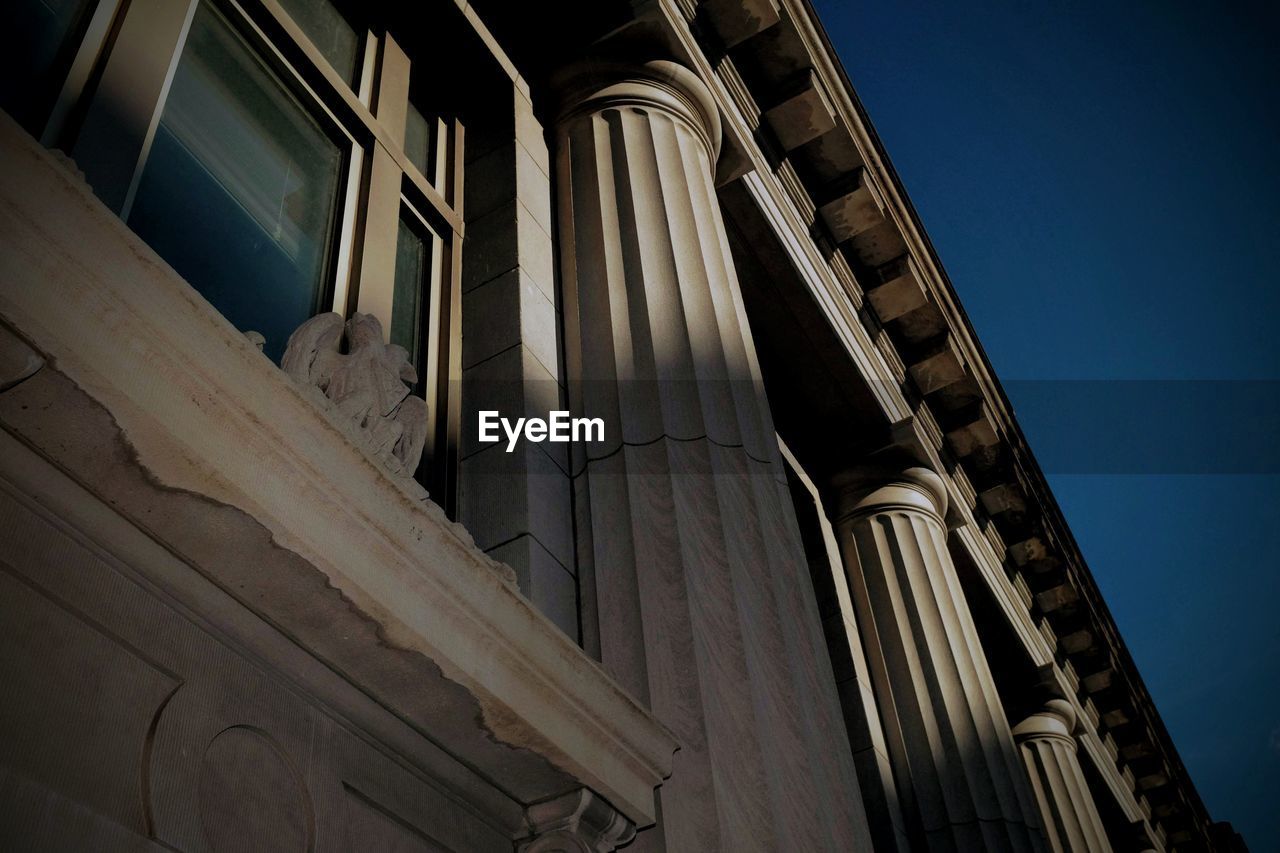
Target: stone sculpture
365, 386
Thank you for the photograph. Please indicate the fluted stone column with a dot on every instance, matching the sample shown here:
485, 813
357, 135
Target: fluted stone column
961, 784
695, 593
1070, 816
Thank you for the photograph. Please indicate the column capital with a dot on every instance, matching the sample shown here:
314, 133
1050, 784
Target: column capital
1057, 718
1056, 715
882, 485
659, 84
1047, 741
576, 822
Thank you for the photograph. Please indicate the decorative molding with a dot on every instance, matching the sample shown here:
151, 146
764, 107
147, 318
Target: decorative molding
577, 822
929, 427
992, 533
964, 488
796, 191
803, 114
859, 207
17, 360
737, 89
735, 21
895, 289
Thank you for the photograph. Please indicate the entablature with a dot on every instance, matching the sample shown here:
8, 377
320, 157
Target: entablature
819, 175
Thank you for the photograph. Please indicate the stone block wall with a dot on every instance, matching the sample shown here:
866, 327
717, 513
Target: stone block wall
517, 505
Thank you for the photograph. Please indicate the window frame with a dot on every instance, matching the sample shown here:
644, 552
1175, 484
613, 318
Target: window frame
109, 108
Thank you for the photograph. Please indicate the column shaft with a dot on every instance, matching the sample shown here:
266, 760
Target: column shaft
695, 590
1071, 820
958, 774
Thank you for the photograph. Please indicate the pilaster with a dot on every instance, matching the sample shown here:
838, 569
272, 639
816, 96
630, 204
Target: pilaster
516, 505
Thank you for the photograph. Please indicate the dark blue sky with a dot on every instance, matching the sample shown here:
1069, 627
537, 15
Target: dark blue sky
1101, 182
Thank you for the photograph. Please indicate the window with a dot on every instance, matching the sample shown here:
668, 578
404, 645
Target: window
417, 140
413, 261
240, 188
331, 33
273, 153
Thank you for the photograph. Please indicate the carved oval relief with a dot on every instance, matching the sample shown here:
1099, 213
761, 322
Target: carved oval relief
250, 796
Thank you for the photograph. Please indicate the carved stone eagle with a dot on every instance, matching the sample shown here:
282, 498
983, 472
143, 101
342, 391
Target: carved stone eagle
365, 385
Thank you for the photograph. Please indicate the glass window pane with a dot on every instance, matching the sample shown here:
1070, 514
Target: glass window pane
417, 141
37, 40
330, 32
424, 134
240, 190
413, 261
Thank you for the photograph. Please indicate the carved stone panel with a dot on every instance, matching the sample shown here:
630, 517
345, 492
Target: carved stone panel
249, 789
131, 724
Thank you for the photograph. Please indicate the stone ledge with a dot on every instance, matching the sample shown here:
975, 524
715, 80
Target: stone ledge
205, 415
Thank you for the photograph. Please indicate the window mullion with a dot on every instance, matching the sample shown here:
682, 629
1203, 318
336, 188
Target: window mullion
434, 198
391, 106
376, 281
382, 214
344, 274
440, 168
369, 68
73, 86
444, 380
121, 121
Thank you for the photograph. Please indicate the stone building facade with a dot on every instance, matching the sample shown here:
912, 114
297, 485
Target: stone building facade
810, 592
